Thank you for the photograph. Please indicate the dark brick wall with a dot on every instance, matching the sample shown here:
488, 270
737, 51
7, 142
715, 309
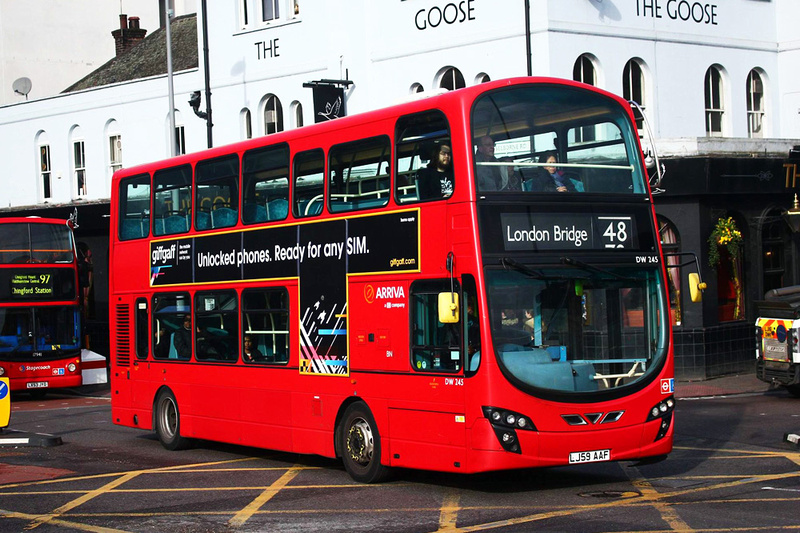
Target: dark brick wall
703, 353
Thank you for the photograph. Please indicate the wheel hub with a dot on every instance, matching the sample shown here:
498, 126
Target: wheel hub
360, 444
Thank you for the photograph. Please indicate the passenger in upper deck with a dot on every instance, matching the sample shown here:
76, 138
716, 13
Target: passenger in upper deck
488, 175
510, 179
551, 178
436, 179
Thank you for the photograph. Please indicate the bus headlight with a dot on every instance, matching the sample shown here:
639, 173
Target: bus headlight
2, 371
662, 411
71, 367
505, 424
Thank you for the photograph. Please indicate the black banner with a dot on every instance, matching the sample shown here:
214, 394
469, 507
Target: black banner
328, 102
375, 243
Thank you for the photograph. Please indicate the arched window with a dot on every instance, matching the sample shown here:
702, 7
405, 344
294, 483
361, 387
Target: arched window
452, 79
416, 88
584, 70
78, 162
482, 78
633, 88
273, 115
755, 105
247, 124
45, 170
715, 102
297, 114
671, 244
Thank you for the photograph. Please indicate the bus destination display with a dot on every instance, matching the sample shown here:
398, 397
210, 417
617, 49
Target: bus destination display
573, 231
31, 285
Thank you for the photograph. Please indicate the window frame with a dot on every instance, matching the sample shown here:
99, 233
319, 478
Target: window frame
284, 312
430, 289
714, 100
250, 181
229, 180
313, 155
124, 213
205, 343
347, 152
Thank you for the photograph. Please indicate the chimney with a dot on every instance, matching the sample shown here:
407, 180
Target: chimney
128, 35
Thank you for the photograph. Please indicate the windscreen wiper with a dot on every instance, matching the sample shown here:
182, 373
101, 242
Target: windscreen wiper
507, 262
593, 268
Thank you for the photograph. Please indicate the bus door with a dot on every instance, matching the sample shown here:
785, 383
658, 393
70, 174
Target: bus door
429, 411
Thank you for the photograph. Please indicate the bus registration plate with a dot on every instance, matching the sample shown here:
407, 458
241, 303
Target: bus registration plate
594, 456
37, 385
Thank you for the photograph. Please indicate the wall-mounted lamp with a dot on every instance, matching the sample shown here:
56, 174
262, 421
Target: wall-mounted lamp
792, 216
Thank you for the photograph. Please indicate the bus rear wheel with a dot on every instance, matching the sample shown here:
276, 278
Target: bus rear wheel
361, 445
168, 422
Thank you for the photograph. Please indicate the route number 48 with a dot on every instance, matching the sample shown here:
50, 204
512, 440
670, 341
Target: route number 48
617, 234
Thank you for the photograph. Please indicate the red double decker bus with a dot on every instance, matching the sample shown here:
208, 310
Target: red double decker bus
467, 282
40, 312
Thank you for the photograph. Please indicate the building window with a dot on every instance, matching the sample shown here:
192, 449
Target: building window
180, 140
297, 113
270, 10
584, 70
244, 19
247, 124
45, 170
671, 244
773, 245
633, 88
755, 105
115, 152
452, 79
482, 78
715, 106
416, 88
79, 164
273, 115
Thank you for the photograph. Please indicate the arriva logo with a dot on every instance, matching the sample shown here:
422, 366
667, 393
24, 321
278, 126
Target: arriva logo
383, 293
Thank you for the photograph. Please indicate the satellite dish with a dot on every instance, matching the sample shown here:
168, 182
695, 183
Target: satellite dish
22, 86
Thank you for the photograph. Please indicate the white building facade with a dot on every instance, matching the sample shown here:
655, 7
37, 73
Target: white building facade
717, 80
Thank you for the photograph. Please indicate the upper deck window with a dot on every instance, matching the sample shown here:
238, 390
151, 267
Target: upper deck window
134, 207
546, 138
217, 193
358, 174
424, 158
172, 205
266, 184
36, 243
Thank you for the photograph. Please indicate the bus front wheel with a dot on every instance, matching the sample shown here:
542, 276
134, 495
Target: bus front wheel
361, 445
168, 422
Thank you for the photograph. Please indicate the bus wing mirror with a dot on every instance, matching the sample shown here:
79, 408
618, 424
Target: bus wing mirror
448, 307
696, 287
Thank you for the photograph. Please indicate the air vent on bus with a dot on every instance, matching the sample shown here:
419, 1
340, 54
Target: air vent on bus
123, 351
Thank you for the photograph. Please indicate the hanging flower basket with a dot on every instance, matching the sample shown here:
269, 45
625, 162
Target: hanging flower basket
724, 234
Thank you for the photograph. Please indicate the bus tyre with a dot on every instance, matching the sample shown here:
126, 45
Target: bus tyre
361, 445
794, 390
168, 422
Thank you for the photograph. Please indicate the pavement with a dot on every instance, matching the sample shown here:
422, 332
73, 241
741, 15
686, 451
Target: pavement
746, 383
